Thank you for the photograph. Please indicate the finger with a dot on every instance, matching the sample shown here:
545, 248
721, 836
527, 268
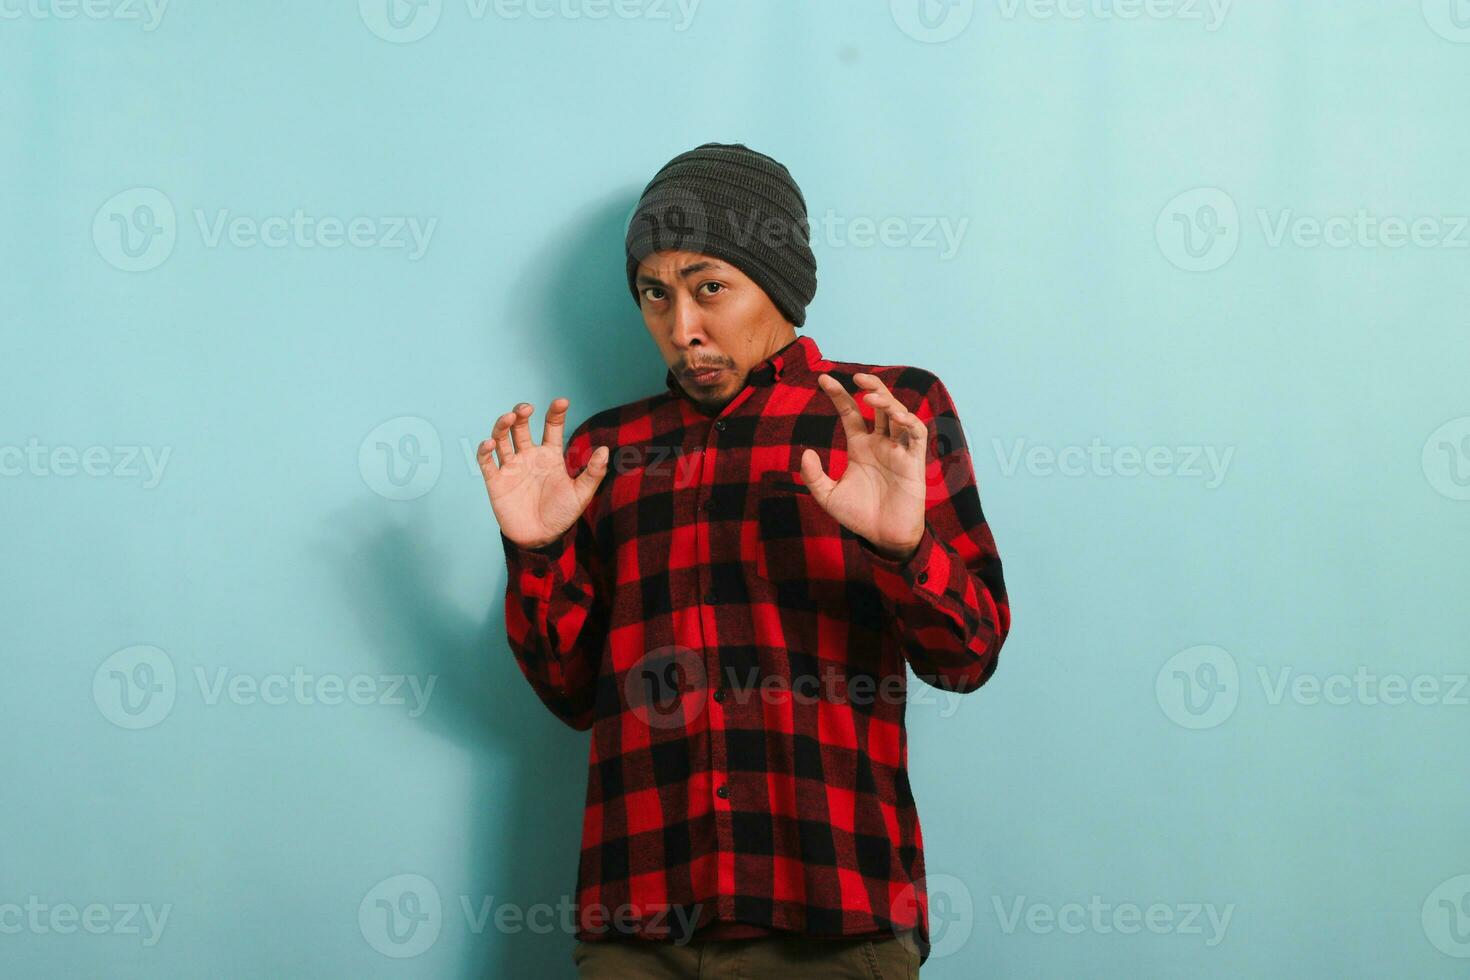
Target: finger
814, 477
873, 397
485, 456
520, 429
915, 432
556, 417
500, 435
585, 485
903, 424
853, 422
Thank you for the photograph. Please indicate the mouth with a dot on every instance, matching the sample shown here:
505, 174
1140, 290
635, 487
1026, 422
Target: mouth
704, 376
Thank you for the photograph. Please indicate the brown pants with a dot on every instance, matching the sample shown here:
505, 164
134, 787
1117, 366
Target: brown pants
776, 957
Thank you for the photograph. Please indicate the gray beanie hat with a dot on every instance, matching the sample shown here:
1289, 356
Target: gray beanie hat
729, 201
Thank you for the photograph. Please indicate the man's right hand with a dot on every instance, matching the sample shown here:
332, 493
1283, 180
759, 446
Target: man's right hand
532, 496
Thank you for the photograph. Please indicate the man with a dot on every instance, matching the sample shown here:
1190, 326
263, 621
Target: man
732, 611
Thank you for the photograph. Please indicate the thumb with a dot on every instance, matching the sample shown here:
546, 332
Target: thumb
811, 474
591, 476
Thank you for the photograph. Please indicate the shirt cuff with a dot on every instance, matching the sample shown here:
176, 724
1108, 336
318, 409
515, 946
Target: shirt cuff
925, 571
537, 561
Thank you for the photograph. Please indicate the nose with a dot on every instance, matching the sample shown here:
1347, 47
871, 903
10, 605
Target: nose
686, 326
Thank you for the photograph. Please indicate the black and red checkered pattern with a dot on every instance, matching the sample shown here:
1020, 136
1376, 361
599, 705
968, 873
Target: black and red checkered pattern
739, 657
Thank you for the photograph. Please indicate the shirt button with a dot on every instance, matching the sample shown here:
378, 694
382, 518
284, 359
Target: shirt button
723, 792
923, 577
720, 425
720, 695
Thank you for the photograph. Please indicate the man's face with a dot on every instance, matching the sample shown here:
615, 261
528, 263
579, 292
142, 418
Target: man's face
703, 312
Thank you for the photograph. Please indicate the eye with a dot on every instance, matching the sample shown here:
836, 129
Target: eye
719, 286
652, 289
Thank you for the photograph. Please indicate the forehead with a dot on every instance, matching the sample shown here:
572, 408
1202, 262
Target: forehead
670, 264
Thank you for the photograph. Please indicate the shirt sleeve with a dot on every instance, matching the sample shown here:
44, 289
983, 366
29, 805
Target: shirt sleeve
947, 602
555, 616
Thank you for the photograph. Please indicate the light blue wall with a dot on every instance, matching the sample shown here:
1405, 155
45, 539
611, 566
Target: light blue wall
1069, 151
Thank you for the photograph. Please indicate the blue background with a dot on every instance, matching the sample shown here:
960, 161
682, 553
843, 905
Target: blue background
1137, 268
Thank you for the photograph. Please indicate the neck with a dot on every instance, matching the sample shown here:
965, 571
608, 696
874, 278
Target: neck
783, 338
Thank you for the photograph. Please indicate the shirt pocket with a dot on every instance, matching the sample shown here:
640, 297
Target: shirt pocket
803, 550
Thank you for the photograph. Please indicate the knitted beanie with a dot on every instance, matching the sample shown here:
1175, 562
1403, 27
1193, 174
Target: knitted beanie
731, 202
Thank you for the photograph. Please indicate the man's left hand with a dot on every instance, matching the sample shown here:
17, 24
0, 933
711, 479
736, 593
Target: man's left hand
881, 494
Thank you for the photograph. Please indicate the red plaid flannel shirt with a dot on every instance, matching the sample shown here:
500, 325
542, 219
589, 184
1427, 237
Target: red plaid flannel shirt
739, 657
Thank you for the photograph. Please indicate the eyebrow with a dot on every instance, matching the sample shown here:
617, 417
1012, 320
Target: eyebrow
688, 270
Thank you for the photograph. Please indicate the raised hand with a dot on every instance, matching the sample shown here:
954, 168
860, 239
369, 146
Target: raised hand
532, 496
881, 495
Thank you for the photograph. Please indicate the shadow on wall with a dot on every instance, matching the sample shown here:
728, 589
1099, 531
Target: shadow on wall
572, 321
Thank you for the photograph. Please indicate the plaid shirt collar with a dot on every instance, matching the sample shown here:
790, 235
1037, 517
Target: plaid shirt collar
799, 357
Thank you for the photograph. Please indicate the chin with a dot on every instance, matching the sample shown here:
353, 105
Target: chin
715, 398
